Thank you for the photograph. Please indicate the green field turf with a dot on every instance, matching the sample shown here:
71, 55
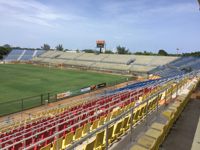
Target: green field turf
21, 80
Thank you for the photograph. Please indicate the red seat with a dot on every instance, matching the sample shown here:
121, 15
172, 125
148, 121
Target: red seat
18, 146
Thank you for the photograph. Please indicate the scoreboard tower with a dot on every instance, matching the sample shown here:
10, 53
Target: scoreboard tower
100, 44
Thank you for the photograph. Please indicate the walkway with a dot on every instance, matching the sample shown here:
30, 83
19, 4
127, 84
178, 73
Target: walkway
182, 134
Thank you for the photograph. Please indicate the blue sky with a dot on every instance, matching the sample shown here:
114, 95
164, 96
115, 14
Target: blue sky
136, 24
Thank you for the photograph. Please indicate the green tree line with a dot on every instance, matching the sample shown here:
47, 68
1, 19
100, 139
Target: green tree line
5, 49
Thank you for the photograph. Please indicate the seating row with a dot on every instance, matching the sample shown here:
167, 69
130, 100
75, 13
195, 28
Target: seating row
49, 121
114, 131
155, 135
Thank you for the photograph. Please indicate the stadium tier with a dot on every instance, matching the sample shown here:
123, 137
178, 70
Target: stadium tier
95, 124
67, 119
158, 65
22, 55
178, 67
113, 62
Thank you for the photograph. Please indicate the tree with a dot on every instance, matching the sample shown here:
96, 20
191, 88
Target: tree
89, 51
46, 47
145, 53
7, 46
4, 51
59, 47
122, 50
162, 52
109, 52
197, 53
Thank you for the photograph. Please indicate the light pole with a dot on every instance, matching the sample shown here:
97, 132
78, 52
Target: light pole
177, 50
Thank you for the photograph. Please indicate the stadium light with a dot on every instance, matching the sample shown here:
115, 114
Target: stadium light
177, 50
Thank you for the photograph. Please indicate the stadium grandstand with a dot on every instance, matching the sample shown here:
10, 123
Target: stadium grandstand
178, 66
128, 64
104, 62
139, 115
107, 121
22, 55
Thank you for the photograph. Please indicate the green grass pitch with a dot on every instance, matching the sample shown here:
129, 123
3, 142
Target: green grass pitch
18, 81
23, 80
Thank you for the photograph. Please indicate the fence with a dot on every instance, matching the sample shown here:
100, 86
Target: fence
22, 104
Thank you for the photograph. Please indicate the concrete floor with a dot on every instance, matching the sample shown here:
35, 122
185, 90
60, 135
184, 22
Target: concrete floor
183, 131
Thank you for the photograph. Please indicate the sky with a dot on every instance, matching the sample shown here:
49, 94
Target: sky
138, 25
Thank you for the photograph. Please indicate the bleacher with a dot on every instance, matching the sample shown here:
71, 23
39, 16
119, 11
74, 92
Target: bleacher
178, 67
156, 132
27, 55
62, 127
85, 116
22, 55
14, 55
110, 62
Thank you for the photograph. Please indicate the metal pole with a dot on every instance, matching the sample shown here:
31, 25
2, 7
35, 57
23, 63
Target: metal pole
22, 108
131, 124
48, 95
24, 142
177, 90
165, 97
107, 137
157, 101
22, 105
147, 111
41, 99
57, 136
171, 94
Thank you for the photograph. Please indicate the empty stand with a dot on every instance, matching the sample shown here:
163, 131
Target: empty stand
112, 62
178, 67
22, 55
118, 112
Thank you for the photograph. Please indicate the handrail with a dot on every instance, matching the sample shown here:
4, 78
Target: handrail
89, 135
76, 143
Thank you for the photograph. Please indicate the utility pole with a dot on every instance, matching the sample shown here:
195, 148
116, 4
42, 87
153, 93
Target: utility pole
177, 50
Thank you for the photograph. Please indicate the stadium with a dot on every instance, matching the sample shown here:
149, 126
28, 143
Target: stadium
100, 98
93, 101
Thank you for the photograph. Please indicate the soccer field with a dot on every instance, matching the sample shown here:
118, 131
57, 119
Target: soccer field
23, 80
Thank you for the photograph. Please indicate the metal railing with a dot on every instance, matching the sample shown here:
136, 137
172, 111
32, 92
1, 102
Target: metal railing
112, 122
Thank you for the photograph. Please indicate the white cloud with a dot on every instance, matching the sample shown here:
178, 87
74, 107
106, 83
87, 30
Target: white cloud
141, 11
31, 11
